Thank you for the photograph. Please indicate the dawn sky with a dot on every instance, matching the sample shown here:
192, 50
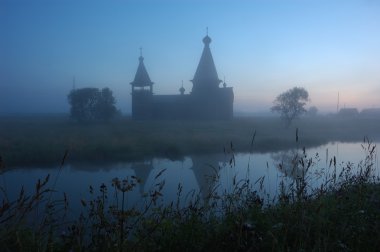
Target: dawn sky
262, 48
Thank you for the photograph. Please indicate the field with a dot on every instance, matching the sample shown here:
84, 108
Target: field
340, 215
43, 140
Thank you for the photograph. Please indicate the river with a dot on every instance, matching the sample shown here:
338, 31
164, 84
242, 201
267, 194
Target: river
196, 174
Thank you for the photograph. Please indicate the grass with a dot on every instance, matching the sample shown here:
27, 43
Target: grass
341, 214
43, 140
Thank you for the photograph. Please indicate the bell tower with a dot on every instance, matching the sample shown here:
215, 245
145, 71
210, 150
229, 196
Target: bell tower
142, 91
142, 79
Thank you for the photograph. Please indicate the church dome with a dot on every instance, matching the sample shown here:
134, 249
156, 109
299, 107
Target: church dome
206, 40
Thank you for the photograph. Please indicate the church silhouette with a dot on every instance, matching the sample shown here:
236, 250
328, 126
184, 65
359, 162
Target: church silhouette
206, 101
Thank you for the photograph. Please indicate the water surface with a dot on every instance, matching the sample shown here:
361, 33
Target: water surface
196, 174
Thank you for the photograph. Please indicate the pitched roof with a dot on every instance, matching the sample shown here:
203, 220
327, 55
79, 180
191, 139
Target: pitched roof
206, 74
142, 77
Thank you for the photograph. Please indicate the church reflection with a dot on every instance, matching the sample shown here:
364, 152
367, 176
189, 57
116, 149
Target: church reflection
194, 173
198, 174
288, 163
142, 170
206, 168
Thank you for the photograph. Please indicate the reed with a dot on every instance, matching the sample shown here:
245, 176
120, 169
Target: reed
340, 214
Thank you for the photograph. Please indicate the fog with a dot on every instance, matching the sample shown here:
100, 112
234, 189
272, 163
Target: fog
260, 49
141, 125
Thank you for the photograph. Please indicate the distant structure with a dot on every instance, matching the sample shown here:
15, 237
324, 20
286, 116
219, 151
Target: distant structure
371, 112
337, 105
348, 112
206, 100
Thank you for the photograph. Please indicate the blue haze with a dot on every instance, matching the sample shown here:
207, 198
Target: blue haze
261, 47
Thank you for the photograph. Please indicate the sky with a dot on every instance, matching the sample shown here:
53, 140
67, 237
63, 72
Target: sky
260, 47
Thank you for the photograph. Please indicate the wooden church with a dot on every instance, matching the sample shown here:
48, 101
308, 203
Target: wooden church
206, 101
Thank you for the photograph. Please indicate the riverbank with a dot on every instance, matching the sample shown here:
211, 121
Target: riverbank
342, 214
43, 140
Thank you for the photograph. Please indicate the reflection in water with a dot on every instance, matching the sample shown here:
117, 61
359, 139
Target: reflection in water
288, 163
206, 169
142, 170
194, 173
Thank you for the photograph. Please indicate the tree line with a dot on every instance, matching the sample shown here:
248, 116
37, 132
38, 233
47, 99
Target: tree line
93, 104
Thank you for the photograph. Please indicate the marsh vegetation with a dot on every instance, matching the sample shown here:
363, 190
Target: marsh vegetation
342, 213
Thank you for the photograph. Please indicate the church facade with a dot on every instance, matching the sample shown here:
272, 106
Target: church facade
206, 101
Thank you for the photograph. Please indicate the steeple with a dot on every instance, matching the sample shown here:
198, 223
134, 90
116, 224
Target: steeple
206, 77
142, 77
182, 89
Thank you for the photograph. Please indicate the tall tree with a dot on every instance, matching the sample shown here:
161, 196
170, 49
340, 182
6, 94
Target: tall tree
291, 104
106, 109
89, 104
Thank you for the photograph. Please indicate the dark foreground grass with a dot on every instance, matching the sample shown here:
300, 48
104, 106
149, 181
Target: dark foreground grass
342, 214
43, 140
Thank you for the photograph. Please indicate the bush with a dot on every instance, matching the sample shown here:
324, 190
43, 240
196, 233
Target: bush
92, 104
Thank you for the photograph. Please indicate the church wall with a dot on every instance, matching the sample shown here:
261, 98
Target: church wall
141, 105
216, 105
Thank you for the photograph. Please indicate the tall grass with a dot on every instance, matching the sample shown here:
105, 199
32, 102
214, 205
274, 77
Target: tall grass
341, 214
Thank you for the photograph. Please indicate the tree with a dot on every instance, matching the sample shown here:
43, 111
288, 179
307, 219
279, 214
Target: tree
291, 104
106, 107
90, 104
